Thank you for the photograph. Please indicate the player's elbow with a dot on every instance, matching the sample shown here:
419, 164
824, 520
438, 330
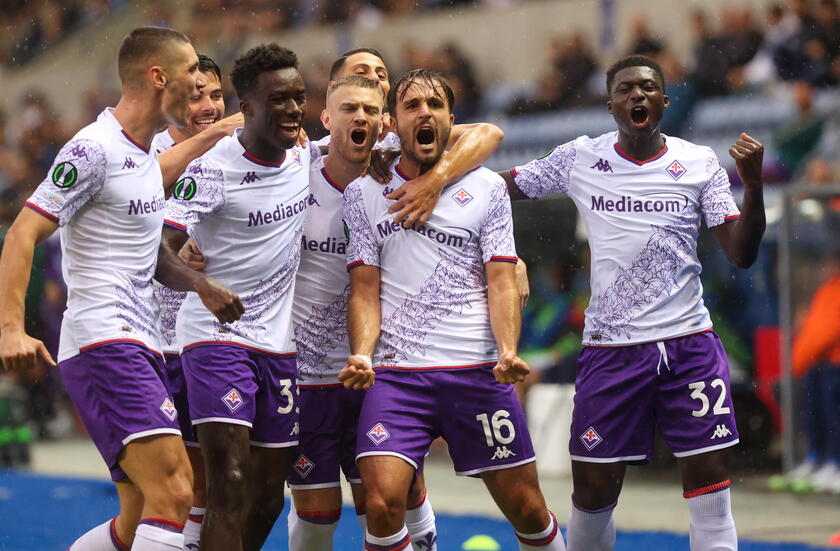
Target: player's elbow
493, 133
743, 260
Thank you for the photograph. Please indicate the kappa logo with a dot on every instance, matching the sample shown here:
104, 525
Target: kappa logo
676, 170
296, 427
387, 191
303, 466
129, 164
721, 431
250, 178
602, 165
233, 400
65, 175
590, 438
502, 452
462, 197
168, 409
378, 434
79, 151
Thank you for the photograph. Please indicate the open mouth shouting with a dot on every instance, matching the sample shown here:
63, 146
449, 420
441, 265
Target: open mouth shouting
425, 137
639, 116
358, 136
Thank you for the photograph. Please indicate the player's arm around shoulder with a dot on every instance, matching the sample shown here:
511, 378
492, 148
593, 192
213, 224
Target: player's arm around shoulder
469, 146
174, 160
740, 235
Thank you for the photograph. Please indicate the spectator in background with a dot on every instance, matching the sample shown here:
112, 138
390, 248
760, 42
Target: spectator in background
796, 140
643, 41
459, 70
761, 70
710, 61
816, 358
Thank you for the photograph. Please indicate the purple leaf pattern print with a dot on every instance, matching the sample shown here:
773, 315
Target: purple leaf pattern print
649, 276
169, 303
135, 303
445, 292
548, 174
716, 200
322, 331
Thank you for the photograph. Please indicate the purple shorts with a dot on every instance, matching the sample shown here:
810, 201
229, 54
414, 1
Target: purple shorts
622, 394
118, 392
231, 383
329, 419
480, 419
173, 379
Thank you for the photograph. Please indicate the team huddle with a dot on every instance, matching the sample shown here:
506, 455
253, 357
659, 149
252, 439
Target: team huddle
248, 309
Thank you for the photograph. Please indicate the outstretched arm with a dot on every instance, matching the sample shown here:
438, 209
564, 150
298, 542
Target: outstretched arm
17, 349
505, 320
740, 239
174, 160
177, 275
471, 146
363, 321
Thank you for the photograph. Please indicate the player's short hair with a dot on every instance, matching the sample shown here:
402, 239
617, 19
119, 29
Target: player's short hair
634, 61
338, 64
207, 65
144, 45
260, 59
433, 79
354, 80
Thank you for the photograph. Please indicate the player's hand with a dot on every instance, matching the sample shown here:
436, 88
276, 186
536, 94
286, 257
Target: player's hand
221, 301
303, 138
231, 123
511, 369
358, 373
749, 156
19, 351
380, 164
522, 285
387, 126
415, 200
190, 254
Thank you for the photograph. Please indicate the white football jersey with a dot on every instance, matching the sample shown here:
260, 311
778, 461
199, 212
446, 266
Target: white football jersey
162, 141
642, 219
322, 286
433, 283
105, 191
246, 216
168, 301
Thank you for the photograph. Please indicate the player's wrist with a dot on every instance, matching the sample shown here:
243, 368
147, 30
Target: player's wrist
365, 359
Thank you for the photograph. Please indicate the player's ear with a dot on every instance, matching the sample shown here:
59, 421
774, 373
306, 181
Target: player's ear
452, 118
609, 106
325, 119
157, 76
245, 107
667, 101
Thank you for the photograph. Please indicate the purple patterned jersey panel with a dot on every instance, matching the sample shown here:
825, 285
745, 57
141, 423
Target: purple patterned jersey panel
548, 174
76, 176
362, 247
716, 199
199, 193
496, 237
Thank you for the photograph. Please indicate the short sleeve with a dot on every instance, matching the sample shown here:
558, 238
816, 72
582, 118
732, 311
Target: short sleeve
716, 200
199, 193
362, 248
76, 176
548, 174
496, 235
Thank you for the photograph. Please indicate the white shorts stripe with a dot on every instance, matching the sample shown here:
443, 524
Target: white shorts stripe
496, 467
150, 432
392, 454
689, 453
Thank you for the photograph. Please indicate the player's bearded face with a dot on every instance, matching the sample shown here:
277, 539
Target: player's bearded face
183, 80
207, 107
637, 100
355, 120
276, 107
424, 122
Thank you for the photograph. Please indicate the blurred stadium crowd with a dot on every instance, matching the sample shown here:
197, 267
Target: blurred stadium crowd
789, 52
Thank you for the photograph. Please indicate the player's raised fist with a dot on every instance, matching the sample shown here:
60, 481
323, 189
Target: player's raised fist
749, 159
221, 301
511, 369
19, 351
358, 374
